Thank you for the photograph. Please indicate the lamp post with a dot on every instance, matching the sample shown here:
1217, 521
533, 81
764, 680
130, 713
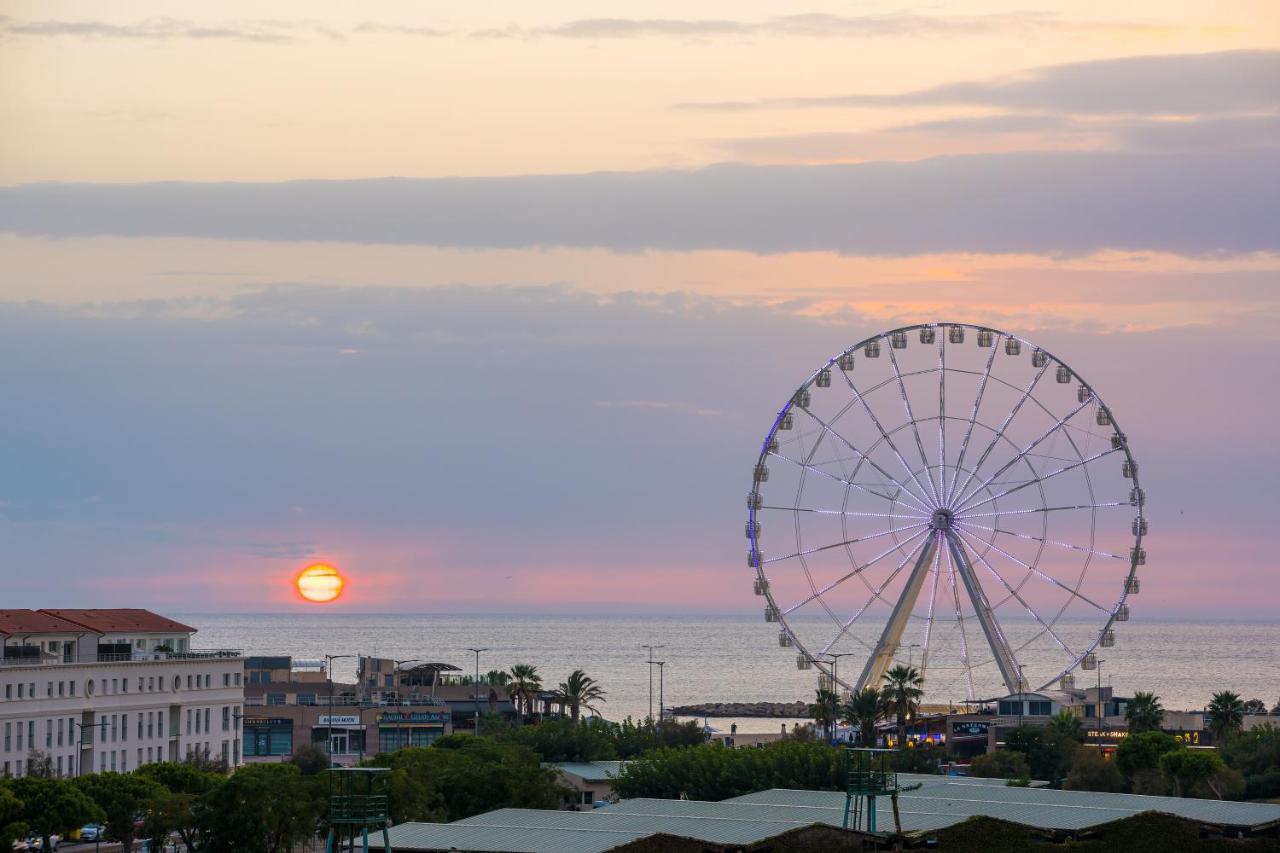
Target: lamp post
475, 686
835, 674
328, 730
1101, 661
82, 742
651, 662
661, 706
1022, 699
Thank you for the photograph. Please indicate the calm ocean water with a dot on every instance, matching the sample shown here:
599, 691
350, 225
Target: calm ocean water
724, 658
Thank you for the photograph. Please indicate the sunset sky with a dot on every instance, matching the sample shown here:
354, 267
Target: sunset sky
490, 307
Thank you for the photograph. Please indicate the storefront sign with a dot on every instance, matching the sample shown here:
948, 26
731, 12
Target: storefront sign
267, 721
413, 717
339, 720
969, 729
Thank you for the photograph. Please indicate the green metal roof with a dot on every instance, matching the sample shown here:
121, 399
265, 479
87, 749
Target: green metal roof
590, 771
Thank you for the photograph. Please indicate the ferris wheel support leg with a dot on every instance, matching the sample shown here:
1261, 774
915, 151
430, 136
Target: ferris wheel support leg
1004, 658
882, 656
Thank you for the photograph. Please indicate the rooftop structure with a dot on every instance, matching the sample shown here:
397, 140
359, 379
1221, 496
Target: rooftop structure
937, 803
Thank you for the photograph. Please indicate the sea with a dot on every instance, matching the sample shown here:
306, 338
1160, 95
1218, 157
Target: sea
721, 658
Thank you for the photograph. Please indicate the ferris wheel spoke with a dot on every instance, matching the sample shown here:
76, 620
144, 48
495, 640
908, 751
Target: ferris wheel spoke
1067, 545
859, 570
1040, 509
973, 419
875, 594
871, 461
846, 512
1061, 423
889, 441
1040, 574
915, 429
942, 422
995, 439
964, 640
1005, 659
815, 469
841, 544
928, 625
891, 637
1064, 469
1034, 615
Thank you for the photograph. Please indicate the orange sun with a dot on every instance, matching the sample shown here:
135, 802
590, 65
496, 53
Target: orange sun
320, 583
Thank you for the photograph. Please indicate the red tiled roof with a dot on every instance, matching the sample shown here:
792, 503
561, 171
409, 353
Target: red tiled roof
118, 620
18, 622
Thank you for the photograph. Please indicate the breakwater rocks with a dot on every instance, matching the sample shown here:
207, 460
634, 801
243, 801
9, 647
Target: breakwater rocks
743, 709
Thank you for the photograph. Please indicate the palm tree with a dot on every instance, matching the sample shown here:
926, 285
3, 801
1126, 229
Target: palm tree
577, 690
1225, 714
496, 678
524, 685
901, 693
824, 710
1067, 724
863, 710
1144, 713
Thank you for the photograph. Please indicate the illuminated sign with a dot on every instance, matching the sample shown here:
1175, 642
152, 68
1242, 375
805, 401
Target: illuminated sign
413, 717
339, 720
267, 721
1107, 734
969, 729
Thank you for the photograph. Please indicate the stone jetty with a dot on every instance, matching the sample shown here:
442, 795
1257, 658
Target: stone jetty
743, 709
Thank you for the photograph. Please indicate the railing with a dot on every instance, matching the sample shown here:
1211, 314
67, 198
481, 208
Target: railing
346, 702
357, 808
124, 657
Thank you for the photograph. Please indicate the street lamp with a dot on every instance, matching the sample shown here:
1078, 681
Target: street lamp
328, 672
1101, 661
475, 686
651, 662
661, 706
835, 671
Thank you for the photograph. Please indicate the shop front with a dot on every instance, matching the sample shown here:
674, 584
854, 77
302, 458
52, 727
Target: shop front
398, 729
267, 736
339, 734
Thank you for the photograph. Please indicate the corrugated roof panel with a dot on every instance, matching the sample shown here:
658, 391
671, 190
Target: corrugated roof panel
504, 839
591, 771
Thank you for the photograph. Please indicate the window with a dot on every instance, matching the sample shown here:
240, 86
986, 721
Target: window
226, 679
113, 759
20, 686
588, 798
306, 699
62, 687
275, 698
188, 682
237, 679
124, 727
188, 721
48, 733
59, 765
1009, 708
139, 757
226, 720
160, 723
139, 725
1037, 708
206, 719
8, 691
73, 688
151, 726
8, 727
19, 736
102, 762
48, 689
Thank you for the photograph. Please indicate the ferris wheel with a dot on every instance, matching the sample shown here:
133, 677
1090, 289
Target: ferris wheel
951, 497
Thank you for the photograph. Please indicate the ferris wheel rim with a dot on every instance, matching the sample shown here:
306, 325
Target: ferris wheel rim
941, 492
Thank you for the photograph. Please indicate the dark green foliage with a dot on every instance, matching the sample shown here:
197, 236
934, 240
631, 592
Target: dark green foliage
1091, 772
310, 759
1138, 760
1143, 833
919, 759
1001, 764
52, 805
1048, 752
983, 835
903, 686
10, 814
562, 739
1200, 773
121, 797
864, 710
1068, 725
632, 739
825, 710
1256, 754
713, 772
1144, 713
262, 808
1226, 714
461, 775
175, 810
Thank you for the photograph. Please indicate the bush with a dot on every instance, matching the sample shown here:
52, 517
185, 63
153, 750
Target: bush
310, 759
1200, 773
1049, 752
1138, 760
714, 772
1256, 755
919, 759
1091, 772
1001, 764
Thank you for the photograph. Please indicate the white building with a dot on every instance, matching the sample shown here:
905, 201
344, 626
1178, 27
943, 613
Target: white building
103, 690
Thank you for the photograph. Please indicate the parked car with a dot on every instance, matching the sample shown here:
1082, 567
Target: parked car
34, 842
91, 832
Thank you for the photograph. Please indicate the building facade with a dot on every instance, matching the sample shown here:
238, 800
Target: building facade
99, 690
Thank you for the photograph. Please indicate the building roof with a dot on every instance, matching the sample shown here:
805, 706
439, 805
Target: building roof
590, 771
939, 802
124, 619
19, 622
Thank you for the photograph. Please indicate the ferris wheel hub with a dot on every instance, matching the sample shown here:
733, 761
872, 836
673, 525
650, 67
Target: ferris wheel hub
941, 519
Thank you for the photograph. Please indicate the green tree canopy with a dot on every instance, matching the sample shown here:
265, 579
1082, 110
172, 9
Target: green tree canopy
1138, 760
262, 808
52, 806
176, 809
825, 710
714, 772
122, 798
864, 709
901, 692
1226, 714
1001, 764
1090, 771
310, 759
579, 690
1067, 724
10, 816
1144, 713
1048, 752
1256, 754
1200, 773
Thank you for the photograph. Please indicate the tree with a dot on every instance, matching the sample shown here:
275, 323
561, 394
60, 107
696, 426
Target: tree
1091, 772
558, 739
714, 772
496, 678
864, 709
579, 690
40, 763
825, 710
10, 815
1200, 773
1225, 715
1048, 752
262, 808
1001, 764
1255, 706
310, 759
460, 776
903, 687
1256, 754
200, 759
122, 797
52, 806
1144, 713
1138, 760
1067, 725
175, 810
525, 684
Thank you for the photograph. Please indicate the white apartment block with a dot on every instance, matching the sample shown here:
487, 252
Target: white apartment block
100, 690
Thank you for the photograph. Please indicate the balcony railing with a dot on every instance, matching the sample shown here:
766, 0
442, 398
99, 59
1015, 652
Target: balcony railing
50, 659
